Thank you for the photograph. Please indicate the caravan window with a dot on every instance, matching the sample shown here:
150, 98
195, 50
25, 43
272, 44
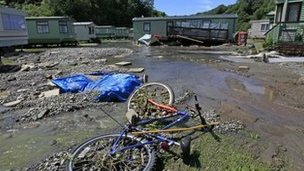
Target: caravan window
147, 27
63, 27
13, 22
91, 30
42, 27
293, 12
264, 27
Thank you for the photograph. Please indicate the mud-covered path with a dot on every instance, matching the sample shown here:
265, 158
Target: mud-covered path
234, 95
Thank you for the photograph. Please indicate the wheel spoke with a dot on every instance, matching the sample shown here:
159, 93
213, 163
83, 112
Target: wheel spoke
95, 155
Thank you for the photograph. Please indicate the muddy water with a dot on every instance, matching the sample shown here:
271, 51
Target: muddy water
235, 96
26, 144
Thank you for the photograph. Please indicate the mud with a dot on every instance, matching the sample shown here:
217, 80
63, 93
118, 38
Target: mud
266, 98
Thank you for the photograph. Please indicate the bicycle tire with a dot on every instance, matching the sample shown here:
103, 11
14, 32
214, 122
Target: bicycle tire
151, 152
167, 88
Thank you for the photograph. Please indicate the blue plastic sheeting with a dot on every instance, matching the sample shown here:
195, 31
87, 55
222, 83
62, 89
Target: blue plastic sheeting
72, 84
112, 87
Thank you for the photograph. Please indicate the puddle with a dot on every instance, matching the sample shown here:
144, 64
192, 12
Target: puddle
36, 140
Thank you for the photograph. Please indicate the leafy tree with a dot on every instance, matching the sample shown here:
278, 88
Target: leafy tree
102, 12
246, 9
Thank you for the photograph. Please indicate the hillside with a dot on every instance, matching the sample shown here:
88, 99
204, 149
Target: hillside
246, 9
102, 12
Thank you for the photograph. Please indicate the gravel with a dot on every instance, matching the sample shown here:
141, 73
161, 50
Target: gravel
39, 69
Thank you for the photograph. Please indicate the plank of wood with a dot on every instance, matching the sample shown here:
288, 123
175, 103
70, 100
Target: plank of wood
124, 63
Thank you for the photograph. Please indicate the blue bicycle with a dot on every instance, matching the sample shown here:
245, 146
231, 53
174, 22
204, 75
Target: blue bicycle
135, 147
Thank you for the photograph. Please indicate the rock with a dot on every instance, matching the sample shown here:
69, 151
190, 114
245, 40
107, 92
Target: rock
101, 60
22, 90
48, 76
49, 64
136, 70
25, 68
113, 66
42, 113
4, 94
300, 81
85, 62
12, 79
12, 104
50, 93
244, 68
51, 84
123, 63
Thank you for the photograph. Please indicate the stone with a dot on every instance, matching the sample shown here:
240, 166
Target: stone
12, 104
50, 93
244, 68
101, 60
300, 81
124, 63
25, 68
49, 64
136, 70
4, 94
85, 62
42, 113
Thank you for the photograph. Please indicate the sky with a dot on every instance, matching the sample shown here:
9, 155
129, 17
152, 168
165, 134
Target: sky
187, 7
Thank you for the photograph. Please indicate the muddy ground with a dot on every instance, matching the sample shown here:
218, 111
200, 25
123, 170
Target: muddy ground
267, 98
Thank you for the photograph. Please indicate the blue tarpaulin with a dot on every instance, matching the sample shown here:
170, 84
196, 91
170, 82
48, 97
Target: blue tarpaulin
112, 87
72, 84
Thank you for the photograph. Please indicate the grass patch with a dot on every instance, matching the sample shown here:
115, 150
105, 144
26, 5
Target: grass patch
231, 153
7, 61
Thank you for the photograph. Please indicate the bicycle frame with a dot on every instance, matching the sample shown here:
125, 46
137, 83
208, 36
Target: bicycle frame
157, 138
183, 116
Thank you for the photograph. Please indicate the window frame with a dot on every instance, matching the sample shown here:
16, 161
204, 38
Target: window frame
12, 22
289, 9
144, 26
278, 18
65, 25
266, 27
38, 23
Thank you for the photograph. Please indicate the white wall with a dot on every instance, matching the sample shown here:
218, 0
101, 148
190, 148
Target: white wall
82, 32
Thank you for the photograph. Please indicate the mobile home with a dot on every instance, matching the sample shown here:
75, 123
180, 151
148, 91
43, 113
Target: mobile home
204, 27
51, 30
121, 32
105, 32
259, 28
288, 26
13, 30
85, 31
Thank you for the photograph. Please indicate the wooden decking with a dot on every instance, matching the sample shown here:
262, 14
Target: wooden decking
290, 48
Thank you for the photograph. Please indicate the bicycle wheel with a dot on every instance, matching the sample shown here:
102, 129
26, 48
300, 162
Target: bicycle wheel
159, 92
93, 155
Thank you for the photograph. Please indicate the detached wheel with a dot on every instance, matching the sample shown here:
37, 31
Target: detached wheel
158, 92
94, 155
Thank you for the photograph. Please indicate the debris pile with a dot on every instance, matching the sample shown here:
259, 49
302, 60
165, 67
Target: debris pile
31, 90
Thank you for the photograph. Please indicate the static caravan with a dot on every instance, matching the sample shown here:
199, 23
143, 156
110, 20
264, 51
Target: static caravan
85, 31
105, 32
259, 28
51, 30
121, 32
204, 27
13, 30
